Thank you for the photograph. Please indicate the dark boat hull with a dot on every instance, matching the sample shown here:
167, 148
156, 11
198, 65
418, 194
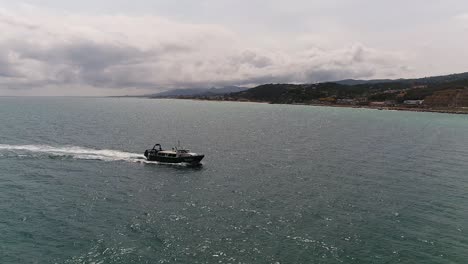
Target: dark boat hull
190, 160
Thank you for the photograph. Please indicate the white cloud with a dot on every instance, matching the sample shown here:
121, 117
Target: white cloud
53, 52
462, 19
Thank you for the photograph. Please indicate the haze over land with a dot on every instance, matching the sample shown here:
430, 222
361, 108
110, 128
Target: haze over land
140, 47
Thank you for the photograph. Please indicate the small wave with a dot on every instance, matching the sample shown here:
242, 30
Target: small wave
75, 152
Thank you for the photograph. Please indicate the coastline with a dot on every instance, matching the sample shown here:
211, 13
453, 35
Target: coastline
458, 111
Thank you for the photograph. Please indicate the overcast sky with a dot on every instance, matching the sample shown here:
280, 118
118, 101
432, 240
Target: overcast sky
117, 47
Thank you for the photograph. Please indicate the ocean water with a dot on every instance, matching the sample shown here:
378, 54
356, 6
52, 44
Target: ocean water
279, 183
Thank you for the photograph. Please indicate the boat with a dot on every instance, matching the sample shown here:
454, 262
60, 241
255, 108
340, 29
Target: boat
176, 155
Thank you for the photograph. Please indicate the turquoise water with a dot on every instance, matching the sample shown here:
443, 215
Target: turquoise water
279, 184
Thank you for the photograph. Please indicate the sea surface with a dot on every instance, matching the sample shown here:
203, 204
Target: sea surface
279, 183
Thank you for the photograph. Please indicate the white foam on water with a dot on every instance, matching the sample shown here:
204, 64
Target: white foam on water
76, 152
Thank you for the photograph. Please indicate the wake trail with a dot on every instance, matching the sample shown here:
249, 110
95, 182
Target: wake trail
75, 152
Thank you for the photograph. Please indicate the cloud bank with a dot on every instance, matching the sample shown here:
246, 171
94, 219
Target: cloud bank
47, 52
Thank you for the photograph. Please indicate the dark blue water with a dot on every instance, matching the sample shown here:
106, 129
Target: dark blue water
279, 184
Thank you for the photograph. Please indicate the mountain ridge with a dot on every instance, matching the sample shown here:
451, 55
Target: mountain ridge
197, 92
383, 92
431, 79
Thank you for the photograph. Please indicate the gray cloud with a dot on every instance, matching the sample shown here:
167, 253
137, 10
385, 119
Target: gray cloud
128, 53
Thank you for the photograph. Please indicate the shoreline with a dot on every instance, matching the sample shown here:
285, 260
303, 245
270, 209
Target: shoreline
457, 111
408, 109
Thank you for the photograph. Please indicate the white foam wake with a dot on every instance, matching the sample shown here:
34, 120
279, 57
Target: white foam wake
76, 152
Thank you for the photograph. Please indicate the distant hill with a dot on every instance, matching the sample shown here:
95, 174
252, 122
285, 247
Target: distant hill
449, 90
357, 82
354, 91
425, 80
198, 92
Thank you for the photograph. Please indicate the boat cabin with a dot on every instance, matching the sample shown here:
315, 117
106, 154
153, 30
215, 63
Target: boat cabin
172, 156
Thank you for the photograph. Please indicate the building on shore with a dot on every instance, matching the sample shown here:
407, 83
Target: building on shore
379, 104
327, 100
413, 102
346, 101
